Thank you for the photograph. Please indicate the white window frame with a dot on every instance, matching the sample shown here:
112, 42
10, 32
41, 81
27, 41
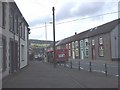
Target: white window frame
73, 45
100, 40
93, 42
86, 41
69, 46
77, 52
76, 44
69, 52
22, 52
86, 49
81, 43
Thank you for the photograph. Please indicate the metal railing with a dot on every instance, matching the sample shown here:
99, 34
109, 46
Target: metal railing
91, 66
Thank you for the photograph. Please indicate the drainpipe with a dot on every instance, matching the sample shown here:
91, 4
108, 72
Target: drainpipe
19, 43
28, 32
20, 28
14, 51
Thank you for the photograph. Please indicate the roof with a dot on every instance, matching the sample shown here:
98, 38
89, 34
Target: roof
13, 4
102, 29
105, 28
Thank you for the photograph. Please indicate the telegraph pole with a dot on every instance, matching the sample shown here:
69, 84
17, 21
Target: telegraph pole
54, 49
46, 31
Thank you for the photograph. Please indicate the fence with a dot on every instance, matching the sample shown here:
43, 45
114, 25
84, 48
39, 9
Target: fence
91, 66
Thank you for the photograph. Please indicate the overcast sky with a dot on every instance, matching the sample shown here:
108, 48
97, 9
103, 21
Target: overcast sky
71, 16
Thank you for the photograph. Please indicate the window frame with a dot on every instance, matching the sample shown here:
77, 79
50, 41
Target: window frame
3, 15
86, 42
73, 45
101, 50
100, 40
86, 49
11, 22
76, 44
81, 43
93, 42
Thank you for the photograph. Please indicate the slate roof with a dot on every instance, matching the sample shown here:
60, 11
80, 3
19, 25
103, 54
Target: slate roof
102, 29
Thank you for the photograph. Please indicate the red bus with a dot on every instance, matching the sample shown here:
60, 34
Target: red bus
61, 55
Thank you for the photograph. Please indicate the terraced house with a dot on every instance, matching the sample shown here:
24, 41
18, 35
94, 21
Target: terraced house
13, 38
99, 43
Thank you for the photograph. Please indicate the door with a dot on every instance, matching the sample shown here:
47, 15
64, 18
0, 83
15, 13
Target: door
82, 53
16, 56
73, 54
13, 56
93, 53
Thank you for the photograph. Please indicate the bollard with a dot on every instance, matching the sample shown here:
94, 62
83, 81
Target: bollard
90, 66
71, 64
79, 65
105, 69
64, 64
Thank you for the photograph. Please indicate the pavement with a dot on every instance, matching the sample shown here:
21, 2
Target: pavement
112, 67
98, 61
43, 75
0, 79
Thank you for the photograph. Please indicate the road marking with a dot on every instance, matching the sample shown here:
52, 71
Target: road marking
99, 71
67, 65
117, 75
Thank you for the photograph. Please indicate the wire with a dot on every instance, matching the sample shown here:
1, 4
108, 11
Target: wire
80, 19
88, 17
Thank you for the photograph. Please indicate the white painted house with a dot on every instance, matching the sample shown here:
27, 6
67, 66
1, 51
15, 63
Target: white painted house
13, 39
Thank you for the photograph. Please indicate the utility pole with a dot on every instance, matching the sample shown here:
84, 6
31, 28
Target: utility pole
46, 31
54, 49
45, 49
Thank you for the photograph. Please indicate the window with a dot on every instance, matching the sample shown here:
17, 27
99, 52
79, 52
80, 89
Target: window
67, 46
73, 45
86, 52
100, 40
22, 52
101, 51
20, 28
86, 42
16, 24
76, 44
93, 42
11, 23
23, 31
81, 43
3, 14
69, 52
77, 52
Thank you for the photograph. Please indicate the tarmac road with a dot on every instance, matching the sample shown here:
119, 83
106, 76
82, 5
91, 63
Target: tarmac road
43, 75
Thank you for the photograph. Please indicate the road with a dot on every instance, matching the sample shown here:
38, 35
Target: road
44, 75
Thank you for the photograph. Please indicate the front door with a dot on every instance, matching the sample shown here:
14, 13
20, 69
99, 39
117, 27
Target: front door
73, 54
13, 56
93, 53
16, 56
82, 53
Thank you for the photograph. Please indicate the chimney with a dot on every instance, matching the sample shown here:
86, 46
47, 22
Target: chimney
75, 33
